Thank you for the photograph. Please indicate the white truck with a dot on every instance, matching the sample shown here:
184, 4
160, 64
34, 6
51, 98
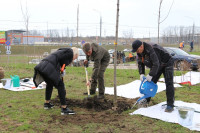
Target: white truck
80, 60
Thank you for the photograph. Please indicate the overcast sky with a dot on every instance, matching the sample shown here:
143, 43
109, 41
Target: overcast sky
136, 16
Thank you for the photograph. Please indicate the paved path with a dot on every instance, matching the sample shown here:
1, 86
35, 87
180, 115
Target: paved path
120, 66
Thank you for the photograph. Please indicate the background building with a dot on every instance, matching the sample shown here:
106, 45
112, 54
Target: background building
2, 37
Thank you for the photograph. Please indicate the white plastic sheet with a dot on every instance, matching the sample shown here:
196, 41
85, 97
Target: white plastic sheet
193, 77
1, 85
24, 86
158, 112
131, 90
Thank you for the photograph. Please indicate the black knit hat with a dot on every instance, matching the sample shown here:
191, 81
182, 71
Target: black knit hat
135, 45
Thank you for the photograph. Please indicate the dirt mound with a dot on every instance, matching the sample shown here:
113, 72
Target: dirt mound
98, 105
94, 110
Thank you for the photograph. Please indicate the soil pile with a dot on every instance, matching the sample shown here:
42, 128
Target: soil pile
93, 103
94, 110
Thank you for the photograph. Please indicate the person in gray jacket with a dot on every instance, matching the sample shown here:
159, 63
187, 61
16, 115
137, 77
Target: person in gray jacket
101, 59
50, 70
160, 62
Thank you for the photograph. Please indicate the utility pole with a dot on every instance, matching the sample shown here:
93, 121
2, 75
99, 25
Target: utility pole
47, 33
77, 22
115, 61
159, 21
193, 32
100, 40
149, 35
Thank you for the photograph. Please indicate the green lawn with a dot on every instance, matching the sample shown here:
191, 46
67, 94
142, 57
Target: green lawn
23, 111
195, 53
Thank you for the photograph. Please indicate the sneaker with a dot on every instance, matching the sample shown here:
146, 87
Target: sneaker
169, 109
48, 105
67, 111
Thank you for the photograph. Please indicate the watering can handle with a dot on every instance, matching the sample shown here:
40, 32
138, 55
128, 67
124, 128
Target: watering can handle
142, 82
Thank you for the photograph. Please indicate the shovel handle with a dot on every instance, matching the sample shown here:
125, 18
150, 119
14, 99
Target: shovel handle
88, 88
63, 67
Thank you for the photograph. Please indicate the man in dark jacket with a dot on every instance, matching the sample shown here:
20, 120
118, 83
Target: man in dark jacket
159, 61
101, 59
191, 45
49, 70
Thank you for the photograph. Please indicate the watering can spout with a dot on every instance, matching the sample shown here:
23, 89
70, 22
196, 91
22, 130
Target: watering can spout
145, 96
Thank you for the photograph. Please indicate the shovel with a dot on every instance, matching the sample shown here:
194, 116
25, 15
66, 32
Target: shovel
88, 88
62, 70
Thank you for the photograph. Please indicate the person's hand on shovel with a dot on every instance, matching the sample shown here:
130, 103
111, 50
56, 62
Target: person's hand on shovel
88, 83
86, 63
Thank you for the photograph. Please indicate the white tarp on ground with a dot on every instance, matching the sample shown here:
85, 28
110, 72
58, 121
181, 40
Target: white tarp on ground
1, 85
24, 86
158, 112
131, 90
193, 77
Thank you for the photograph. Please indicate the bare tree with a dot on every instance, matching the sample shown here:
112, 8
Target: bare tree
128, 35
115, 60
34, 32
72, 36
67, 34
77, 23
179, 34
159, 17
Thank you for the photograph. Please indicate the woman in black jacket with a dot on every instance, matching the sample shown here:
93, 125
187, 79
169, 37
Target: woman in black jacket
49, 70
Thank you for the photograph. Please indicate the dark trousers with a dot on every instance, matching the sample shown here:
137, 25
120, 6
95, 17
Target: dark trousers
60, 88
100, 78
168, 72
191, 48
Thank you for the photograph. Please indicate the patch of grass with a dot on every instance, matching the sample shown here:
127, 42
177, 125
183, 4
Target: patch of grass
23, 111
195, 53
24, 127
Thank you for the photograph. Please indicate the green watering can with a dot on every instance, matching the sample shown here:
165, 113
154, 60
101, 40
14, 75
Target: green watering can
15, 80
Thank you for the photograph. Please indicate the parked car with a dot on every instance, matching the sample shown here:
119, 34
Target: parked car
80, 60
110, 51
183, 60
34, 61
127, 50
